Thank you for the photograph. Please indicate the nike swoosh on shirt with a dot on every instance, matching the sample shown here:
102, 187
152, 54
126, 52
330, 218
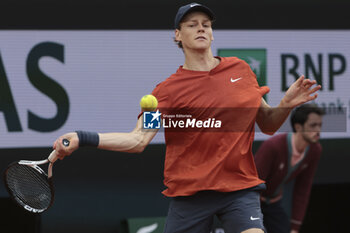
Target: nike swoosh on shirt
235, 80
252, 218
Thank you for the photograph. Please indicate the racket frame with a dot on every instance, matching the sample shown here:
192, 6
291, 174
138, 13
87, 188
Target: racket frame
33, 165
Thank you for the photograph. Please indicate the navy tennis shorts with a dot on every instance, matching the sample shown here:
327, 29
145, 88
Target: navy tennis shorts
237, 211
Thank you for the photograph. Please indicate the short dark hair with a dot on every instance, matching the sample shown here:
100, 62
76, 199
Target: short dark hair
300, 114
179, 43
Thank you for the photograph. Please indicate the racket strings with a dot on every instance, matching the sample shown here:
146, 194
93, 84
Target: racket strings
28, 185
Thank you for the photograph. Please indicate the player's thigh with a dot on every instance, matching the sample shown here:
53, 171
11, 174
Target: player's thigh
186, 215
243, 213
275, 218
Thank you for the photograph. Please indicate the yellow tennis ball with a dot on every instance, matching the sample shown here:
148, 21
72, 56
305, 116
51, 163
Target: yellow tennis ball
148, 103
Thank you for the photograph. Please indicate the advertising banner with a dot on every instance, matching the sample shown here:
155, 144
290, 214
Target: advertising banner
54, 82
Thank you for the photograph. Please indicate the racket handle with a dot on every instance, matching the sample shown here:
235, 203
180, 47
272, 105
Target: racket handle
53, 156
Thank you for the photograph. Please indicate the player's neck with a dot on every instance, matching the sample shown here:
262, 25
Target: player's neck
300, 142
200, 61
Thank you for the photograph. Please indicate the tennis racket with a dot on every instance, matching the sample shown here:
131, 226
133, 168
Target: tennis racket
29, 185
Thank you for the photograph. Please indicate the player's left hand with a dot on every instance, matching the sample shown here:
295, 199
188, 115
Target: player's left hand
300, 92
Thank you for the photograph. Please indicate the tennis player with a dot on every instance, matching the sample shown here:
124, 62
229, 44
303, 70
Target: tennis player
287, 162
207, 173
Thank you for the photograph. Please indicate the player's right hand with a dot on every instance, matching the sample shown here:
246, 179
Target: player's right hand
63, 150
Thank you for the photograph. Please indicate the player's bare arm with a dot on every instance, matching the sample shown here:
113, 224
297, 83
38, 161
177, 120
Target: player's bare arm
270, 119
132, 142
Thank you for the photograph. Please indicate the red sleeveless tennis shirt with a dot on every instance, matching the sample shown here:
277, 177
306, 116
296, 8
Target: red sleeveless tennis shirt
202, 160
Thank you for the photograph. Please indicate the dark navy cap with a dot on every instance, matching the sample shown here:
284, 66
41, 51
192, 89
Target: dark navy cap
190, 8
